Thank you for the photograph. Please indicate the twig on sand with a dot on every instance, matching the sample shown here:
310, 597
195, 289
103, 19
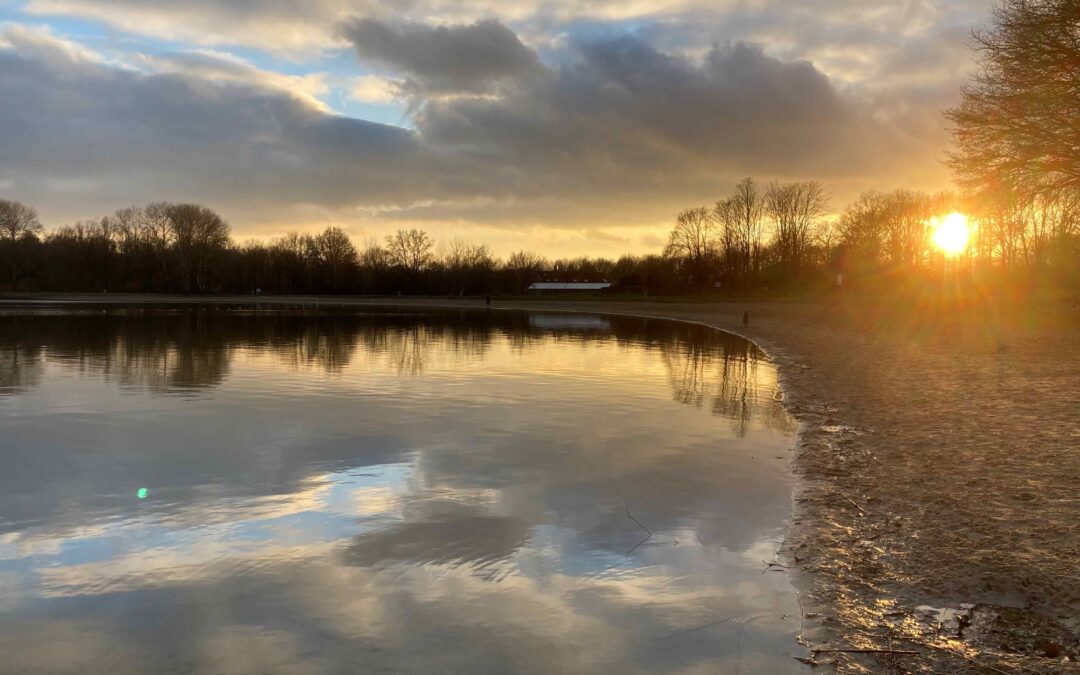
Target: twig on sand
694, 629
631, 517
802, 615
909, 652
647, 530
865, 651
861, 509
815, 651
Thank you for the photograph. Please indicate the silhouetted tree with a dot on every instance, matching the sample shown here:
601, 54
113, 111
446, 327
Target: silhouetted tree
523, 268
336, 255
467, 267
694, 243
200, 235
747, 207
410, 249
83, 255
795, 209
160, 237
19, 229
862, 228
292, 263
375, 266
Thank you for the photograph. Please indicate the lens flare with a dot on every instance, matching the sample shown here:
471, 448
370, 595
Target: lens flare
951, 233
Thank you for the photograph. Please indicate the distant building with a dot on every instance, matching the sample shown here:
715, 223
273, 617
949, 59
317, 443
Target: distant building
560, 286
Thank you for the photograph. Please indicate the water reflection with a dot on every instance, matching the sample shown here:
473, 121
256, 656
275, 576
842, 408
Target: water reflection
412, 493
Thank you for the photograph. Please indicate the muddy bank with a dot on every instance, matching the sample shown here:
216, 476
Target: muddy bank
939, 506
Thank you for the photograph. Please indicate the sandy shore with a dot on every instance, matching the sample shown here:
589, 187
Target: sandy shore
939, 459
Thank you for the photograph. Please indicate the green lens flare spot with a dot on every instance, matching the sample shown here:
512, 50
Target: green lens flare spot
142, 493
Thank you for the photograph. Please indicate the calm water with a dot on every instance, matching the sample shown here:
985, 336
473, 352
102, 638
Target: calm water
227, 492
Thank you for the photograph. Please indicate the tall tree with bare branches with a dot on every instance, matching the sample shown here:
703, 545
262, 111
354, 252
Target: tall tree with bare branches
336, 255
1016, 127
749, 205
410, 249
694, 243
19, 229
795, 209
199, 235
18, 221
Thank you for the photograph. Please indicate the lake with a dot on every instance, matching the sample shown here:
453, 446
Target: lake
225, 491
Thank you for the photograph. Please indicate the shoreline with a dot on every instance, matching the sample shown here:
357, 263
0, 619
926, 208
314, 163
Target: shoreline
890, 535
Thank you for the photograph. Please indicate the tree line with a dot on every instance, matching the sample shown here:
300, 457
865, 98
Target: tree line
1016, 158
784, 235
189, 248
781, 236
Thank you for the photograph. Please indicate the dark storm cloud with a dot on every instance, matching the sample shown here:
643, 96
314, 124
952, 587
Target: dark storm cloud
443, 59
624, 115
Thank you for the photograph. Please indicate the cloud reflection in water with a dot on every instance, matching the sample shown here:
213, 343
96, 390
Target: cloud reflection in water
414, 493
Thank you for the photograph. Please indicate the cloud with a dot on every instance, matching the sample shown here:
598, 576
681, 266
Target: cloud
292, 27
373, 89
194, 127
224, 68
471, 58
617, 134
624, 119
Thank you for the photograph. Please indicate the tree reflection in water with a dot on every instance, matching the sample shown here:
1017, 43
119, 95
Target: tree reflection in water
180, 352
720, 371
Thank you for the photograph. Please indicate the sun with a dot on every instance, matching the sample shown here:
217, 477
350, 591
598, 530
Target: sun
951, 233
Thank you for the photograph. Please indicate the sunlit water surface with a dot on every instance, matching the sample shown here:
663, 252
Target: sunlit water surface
228, 492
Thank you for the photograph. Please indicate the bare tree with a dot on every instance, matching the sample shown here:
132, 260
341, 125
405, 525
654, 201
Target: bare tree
524, 268
467, 266
410, 249
460, 254
91, 251
159, 235
131, 237
1016, 125
199, 234
694, 243
862, 228
749, 207
375, 256
19, 228
336, 254
18, 221
795, 209
725, 214
1017, 232
293, 262
906, 230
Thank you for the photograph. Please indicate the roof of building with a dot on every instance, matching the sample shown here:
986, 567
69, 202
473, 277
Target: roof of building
569, 286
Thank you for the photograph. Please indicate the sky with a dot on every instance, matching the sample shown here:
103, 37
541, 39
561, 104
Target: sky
567, 127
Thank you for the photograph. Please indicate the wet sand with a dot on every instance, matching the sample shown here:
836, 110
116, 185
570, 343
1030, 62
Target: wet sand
939, 457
